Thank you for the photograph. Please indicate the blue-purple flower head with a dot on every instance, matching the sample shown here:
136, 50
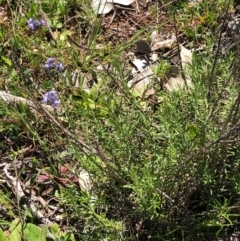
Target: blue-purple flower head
59, 66
34, 24
51, 64
51, 98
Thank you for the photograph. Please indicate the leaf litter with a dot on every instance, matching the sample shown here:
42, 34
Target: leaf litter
106, 6
144, 69
174, 78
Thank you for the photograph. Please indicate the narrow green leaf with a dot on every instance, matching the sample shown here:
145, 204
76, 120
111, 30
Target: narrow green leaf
15, 230
55, 228
68, 237
7, 61
2, 236
43, 234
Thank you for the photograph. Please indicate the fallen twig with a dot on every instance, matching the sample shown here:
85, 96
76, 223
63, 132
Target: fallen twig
16, 100
20, 195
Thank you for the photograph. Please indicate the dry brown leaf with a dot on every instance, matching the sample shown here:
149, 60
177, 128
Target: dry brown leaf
141, 81
122, 2
173, 77
174, 83
154, 57
85, 181
186, 58
105, 6
158, 41
163, 44
102, 6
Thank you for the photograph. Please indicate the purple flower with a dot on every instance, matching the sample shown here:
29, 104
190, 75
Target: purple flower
51, 98
42, 22
31, 23
49, 64
50, 60
34, 24
59, 66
